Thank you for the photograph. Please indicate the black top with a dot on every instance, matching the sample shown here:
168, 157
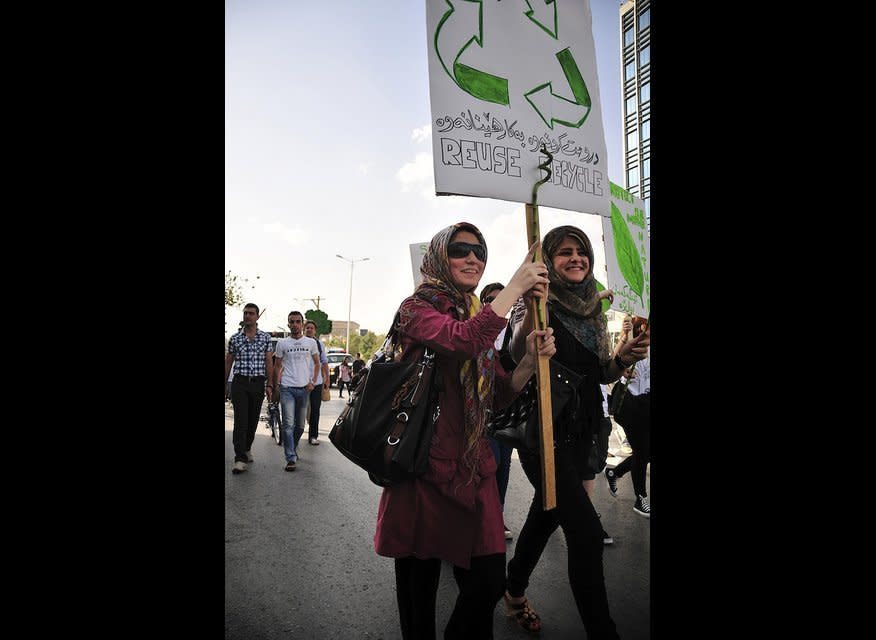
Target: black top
584, 362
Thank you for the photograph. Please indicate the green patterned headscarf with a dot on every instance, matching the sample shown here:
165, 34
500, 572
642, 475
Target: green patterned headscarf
576, 305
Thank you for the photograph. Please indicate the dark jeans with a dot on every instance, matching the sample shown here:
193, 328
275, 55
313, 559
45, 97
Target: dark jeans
313, 412
502, 453
247, 399
576, 515
480, 588
638, 430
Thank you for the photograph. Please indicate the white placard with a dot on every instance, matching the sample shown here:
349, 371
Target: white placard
418, 252
505, 78
628, 253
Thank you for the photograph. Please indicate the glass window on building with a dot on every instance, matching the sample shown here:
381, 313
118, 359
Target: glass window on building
630, 70
645, 92
645, 56
628, 36
646, 168
632, 139
644, 18
632, 178
646, 130
631, 105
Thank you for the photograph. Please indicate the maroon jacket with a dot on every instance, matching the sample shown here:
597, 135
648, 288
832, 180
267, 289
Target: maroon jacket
440, 514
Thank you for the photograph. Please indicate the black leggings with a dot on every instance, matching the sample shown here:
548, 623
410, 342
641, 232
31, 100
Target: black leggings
480, 588
638, 430
583, 531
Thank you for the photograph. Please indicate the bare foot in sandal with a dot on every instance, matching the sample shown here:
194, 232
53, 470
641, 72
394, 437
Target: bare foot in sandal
522, 612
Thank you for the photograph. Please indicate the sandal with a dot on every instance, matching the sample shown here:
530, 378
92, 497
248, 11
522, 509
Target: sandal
524, 615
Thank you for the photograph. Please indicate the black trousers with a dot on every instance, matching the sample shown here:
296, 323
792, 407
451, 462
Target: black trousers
480, 588
577, 517
313, 409
637, 426
246, 397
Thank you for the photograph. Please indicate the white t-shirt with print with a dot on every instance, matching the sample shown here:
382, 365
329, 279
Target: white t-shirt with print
297, 357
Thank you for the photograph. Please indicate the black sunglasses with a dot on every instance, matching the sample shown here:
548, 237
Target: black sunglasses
462, 249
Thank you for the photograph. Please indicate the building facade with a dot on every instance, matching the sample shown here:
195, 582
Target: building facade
635, 46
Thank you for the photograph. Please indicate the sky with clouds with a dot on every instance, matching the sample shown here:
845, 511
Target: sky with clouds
328, 151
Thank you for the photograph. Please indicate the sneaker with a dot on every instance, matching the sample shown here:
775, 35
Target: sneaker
612, 481
642, 506
626, 448
508, 534
248, 456
239, 467
606, 539
314, 441
290, 466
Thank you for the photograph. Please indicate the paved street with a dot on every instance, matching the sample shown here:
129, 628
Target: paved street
300, 560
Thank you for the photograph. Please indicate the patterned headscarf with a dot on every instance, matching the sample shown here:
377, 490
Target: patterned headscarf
476, 375
576, 305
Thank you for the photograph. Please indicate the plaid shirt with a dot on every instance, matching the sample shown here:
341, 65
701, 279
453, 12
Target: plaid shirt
249, 355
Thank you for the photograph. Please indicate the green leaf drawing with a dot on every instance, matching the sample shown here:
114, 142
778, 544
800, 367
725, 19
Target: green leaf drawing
606, 305
627, 255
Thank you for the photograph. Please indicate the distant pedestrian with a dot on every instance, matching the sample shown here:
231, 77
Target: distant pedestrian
250, 359
636, 421
358, 368
295, 376
501, 450
345, 374
322, 382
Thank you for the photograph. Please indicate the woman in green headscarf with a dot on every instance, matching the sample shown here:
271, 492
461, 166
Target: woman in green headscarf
574, 311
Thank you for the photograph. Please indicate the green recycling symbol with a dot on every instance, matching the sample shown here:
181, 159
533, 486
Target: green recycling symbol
552, 107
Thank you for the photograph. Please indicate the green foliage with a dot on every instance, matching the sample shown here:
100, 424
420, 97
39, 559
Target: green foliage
323, 324
234, 289
605, 302
366, 345
627, 254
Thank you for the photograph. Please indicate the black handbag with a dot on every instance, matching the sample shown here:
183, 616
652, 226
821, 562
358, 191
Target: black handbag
387, 426
517, 424
618, 405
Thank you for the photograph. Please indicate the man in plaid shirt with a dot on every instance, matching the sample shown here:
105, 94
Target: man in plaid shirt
251, 353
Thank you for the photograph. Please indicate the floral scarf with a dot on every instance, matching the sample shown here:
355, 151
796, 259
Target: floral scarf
576, 305
475, 375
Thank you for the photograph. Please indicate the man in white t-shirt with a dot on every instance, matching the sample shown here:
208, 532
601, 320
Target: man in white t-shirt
295, 375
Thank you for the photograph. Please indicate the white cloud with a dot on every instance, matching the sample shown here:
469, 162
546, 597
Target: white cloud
422, 134
295, 236
417, 175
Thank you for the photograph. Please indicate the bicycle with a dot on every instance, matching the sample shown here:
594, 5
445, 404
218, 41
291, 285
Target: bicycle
275, 424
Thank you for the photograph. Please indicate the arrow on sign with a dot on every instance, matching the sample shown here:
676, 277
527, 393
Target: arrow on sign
461, 26
554, 108
540, 13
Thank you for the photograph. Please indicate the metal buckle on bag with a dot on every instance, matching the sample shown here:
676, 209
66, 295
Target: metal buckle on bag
402, 418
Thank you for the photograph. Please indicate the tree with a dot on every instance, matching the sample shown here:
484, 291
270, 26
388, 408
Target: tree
234, 289
366, 345
323, 324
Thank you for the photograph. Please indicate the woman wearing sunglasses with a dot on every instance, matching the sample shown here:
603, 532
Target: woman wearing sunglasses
575, 313
453, 512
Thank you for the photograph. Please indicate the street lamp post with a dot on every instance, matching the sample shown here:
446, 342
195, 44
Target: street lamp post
350, 302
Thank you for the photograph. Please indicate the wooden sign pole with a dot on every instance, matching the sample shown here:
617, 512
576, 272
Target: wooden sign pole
543, 371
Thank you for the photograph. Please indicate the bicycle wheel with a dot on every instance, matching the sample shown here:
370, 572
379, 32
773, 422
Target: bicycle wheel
274, 421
